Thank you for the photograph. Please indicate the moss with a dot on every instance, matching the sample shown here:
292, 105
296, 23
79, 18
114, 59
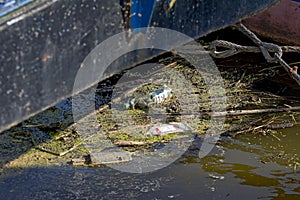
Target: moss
118, 135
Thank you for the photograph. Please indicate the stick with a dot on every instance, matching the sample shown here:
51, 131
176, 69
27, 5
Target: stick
241, 127
255, 111
69, 150
130, 143
234, 112
133, 143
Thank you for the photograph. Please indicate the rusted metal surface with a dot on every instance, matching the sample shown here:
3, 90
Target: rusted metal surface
280, 22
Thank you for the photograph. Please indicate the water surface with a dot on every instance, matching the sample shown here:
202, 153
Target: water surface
249, 166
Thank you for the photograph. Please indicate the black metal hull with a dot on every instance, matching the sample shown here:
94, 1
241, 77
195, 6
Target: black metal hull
42, 50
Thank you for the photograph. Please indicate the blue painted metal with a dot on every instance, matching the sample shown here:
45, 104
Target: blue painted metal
141, 13
8, 6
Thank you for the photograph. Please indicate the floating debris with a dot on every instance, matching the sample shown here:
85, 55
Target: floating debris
216, 177
166, 129
107, 157
156, 97
80, 160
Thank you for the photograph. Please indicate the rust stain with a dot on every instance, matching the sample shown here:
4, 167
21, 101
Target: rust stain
293, 70
280, 22
46, 57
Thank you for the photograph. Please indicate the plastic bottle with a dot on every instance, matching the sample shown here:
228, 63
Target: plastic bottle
156, 97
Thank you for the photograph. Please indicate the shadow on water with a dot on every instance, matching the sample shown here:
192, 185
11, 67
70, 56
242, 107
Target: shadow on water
25, 136
38, 129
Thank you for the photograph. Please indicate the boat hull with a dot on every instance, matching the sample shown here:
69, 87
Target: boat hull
280, 22
42, 50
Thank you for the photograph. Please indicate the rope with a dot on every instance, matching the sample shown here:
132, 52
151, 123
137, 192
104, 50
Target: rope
230, 49
263, 47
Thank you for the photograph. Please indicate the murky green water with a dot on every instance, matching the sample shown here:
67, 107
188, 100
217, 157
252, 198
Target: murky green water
251, 166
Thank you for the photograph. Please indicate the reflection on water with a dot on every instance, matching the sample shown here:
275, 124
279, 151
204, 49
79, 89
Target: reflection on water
248, 167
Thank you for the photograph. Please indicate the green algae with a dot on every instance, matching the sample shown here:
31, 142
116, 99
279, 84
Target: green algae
50, 138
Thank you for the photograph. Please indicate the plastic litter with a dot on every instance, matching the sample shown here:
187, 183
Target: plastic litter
156, 97
166, 129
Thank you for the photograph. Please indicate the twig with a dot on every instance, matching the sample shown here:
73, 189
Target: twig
36, 146
134, 143
248, 130
233, 112
277, 138
280, 126
241, 126
131, 143
293, 117
255, 111
69, 150
243, 75
47, 151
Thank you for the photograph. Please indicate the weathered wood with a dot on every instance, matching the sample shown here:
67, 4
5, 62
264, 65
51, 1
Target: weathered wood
131, 143
254, 111
110, 157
